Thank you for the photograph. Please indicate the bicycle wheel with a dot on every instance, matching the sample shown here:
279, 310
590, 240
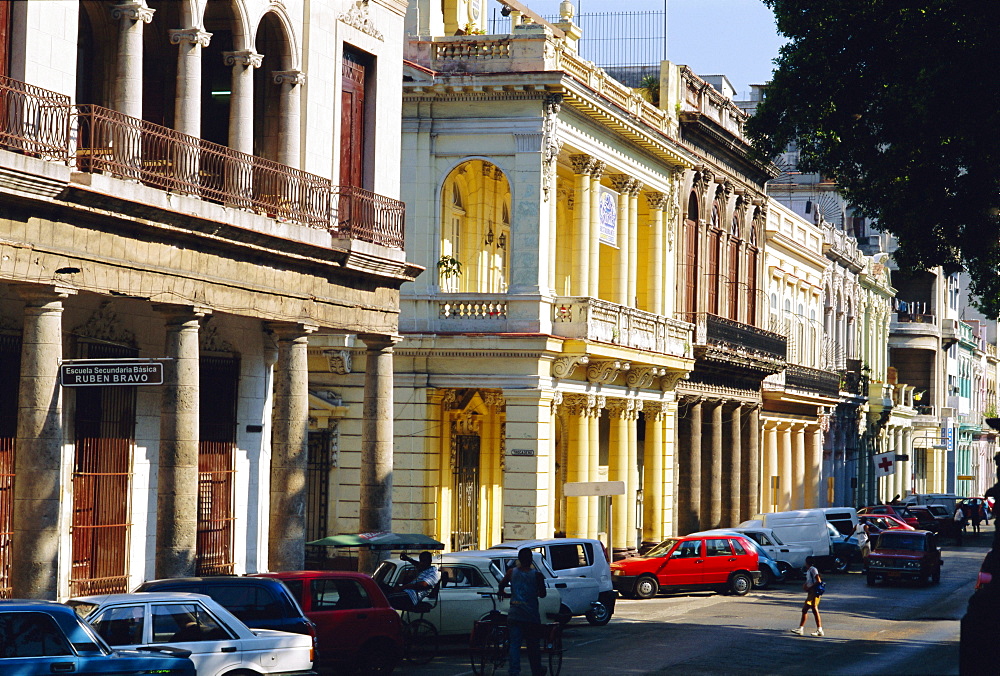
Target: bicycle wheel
553, 646
420, 642
478, 649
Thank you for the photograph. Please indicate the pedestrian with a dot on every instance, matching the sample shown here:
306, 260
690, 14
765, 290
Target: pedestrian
813, 587
977, 516
861, 535
524, 623
958, 524
407, 596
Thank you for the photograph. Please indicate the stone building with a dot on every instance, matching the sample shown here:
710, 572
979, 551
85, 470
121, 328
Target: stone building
186, 189
799, 400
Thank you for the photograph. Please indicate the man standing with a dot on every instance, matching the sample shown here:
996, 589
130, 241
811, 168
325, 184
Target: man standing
527, 585
406, 597
812, 589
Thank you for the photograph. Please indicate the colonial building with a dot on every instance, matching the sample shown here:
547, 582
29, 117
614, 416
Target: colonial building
186, 189
798, 401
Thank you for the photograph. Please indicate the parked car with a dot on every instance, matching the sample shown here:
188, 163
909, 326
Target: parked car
900, 512
880, 522
577, 557
220, 645
904, 555
770, 570
846, 551
356, 628
810, 528
791, 558
930, 520
689, 562
259, 602
41, 638
949, 500
466, 576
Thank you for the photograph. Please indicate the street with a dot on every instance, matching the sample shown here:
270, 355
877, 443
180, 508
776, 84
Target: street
898, 629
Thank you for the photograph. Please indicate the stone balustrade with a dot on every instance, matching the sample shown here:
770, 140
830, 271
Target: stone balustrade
702, 98
605, 322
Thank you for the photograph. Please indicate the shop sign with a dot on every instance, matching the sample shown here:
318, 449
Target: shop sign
607, 210
111, 373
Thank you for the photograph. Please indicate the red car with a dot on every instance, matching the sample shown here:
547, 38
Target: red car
355, 625
722, 563
897, 511
881, 522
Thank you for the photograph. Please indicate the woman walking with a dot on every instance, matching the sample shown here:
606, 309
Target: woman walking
813, 592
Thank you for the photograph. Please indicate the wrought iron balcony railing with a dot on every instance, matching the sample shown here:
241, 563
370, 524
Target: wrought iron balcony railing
713, 330
812, 380
38, 122
33, 121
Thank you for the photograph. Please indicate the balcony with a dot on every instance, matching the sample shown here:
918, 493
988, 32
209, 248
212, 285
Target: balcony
740, 339
814, 381
604, 322
39, 123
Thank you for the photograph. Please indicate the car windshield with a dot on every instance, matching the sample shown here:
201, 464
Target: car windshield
384, 572
777, 540
663, 548
937, 510
900, 541
83, 609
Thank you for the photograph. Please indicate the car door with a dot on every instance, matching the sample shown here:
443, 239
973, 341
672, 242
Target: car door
33, 643
719, 561
684, 566
576, 593
190, 626
342, 611
461, 601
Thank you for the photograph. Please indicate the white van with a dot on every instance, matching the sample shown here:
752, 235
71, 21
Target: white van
802, 526
844, 519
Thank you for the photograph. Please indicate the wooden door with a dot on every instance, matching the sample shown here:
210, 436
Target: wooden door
5, 39
352, 120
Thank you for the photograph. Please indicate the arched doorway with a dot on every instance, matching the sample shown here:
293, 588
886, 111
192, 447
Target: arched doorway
271, 41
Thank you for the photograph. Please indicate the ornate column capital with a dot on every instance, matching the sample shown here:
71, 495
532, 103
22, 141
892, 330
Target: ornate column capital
597, 170
656, 200
585, 404
621, 182
192, 36
379, 342
635, 188
582, 164
289, 77
247, 58
657, 410
133, 10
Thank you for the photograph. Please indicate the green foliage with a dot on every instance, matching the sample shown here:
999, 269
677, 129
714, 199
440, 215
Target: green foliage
897, 101
649, 88
449, 267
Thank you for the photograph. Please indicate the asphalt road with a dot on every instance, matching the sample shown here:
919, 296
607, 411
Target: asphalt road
896, 629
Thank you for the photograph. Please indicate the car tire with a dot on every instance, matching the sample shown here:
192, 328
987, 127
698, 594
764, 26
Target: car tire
564, 615
785, 568
766, 577
599, 615
936, 576
645, 587
870, 579
740, 583
378, 657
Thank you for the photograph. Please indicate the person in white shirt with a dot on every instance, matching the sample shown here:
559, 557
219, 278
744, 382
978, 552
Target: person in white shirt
861, 535
408, 596
813, 579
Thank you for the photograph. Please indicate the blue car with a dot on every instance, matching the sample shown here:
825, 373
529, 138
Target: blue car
770, 572
44, 637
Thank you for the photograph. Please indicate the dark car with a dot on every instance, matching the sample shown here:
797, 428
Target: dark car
44, 637
260, 602
929, 519
355, 625
845, 551
904, 555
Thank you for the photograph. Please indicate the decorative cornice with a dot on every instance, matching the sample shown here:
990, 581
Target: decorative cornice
289, 77
563, 367
605, 371
191, 36
340, 362
641, 377
358, 17
247, 58
669, 380
134, 10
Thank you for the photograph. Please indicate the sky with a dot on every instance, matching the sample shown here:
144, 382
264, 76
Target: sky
735, 38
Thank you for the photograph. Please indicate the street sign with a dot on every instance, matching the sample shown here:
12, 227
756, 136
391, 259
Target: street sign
92, 374
885, 463
966, 477
902, 457
586, 489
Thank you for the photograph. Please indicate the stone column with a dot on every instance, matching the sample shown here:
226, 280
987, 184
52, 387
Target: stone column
623, 184
580, 270
630, 501
289, 105
375, 512
799, 468
577, 463
35, 524
187, 104
785, 466
618, 470
733, 466
771, 468
907, 465
290, 448
177, 474
652, 472
750, 477
241, 100
712, 460
814, 467
594, 274
657, 201
526, 512
633, 242
131, 16
689, 469
594, 464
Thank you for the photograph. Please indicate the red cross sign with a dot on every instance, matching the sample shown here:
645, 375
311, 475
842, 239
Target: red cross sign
885, 464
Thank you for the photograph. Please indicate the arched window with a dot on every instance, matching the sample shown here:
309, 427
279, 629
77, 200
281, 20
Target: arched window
475, 230
715, 254
734, 285
691, 258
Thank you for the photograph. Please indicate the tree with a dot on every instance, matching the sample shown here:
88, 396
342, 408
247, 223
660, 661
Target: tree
899, 102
